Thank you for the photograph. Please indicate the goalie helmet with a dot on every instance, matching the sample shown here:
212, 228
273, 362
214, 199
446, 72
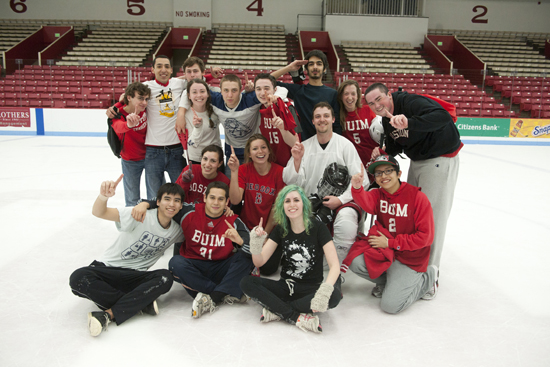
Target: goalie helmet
335, 180
376, 130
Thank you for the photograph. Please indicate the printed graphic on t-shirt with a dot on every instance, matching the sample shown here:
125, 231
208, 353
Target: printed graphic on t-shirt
300, 260
165, 97
235, 128
147, 246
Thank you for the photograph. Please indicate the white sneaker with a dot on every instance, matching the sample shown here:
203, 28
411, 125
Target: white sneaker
229, 299
201, 304
308, 322
378, 290
432, 292
268, 316
97, 322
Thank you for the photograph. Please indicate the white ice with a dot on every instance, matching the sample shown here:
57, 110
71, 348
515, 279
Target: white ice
493, 307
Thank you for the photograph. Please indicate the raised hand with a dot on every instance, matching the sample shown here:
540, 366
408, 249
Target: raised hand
259, 229
187, 176
108, 188
357, 179
277, 121
248, 84
400, 122
132, 120
233, 161
298, 151
217, 72
197, 121
296, 64
232, 234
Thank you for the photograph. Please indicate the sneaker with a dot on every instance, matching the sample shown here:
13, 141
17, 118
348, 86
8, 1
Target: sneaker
97, 322
201, 304
268, 316
308, 322
378, 290
152, 309
430, 294
229, 299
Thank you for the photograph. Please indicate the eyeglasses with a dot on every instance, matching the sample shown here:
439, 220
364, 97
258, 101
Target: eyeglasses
387, 172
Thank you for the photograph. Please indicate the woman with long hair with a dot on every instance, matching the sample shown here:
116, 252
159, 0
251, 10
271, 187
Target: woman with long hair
356, 119
195, 178
201, 122
257, 182
304, 241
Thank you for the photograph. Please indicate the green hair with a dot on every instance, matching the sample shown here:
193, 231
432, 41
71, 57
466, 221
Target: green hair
279, 211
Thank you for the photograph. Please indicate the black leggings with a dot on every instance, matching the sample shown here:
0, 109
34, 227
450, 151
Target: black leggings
286, 299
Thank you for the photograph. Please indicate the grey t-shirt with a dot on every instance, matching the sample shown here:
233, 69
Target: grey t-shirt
140, 245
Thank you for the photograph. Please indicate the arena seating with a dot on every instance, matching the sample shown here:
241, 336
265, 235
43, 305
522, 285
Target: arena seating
246, 46
383, 57
506, 53
130, 47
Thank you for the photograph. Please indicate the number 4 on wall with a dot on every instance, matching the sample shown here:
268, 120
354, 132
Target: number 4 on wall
258, 9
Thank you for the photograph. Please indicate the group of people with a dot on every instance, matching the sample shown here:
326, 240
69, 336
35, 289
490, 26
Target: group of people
291, 193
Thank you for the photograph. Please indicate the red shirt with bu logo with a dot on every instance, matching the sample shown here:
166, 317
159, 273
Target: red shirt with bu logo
259, 192
194, 190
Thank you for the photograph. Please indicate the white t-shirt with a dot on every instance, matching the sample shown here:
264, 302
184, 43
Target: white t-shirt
140, 245
162, 111
316, 159
203, 135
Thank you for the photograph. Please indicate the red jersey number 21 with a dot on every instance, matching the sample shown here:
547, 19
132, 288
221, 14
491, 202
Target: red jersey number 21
258, 9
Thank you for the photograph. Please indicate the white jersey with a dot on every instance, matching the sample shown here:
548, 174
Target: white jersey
316, 159
202, 135
162, 111
140, 245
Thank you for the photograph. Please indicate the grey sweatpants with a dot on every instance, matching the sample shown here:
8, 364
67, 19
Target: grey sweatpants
403, 285
437, 178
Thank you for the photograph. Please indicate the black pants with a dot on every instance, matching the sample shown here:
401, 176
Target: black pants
272, 264
124, 291
286, 300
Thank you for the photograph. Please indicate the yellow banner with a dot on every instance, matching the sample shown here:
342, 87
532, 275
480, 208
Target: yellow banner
529, 128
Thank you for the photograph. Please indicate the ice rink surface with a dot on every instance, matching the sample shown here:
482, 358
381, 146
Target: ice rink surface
492, 308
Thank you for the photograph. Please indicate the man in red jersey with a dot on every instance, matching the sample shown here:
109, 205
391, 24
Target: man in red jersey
216, 253
277, 122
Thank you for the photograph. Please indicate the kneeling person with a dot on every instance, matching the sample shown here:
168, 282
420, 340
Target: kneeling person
119, 283
396, 252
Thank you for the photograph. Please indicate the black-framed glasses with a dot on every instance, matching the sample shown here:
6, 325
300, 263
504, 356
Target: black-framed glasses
387, 172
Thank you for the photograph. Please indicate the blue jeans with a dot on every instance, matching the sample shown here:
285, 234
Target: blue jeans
207, 276
158, 160
132, 179
239, 152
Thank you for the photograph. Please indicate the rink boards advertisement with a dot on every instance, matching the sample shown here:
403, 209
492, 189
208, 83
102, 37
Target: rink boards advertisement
529, 128
15, 117
470, 126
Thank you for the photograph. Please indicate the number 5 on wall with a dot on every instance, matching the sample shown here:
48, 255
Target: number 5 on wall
139, 9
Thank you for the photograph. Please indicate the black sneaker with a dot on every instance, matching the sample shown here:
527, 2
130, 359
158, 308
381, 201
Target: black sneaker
151, 309
97, 322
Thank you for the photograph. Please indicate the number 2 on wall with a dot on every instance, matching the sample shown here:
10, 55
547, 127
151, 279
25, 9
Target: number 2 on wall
477, 19
257, 9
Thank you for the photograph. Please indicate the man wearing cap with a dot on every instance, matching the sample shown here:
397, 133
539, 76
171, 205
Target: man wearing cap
422, 129
395, 253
